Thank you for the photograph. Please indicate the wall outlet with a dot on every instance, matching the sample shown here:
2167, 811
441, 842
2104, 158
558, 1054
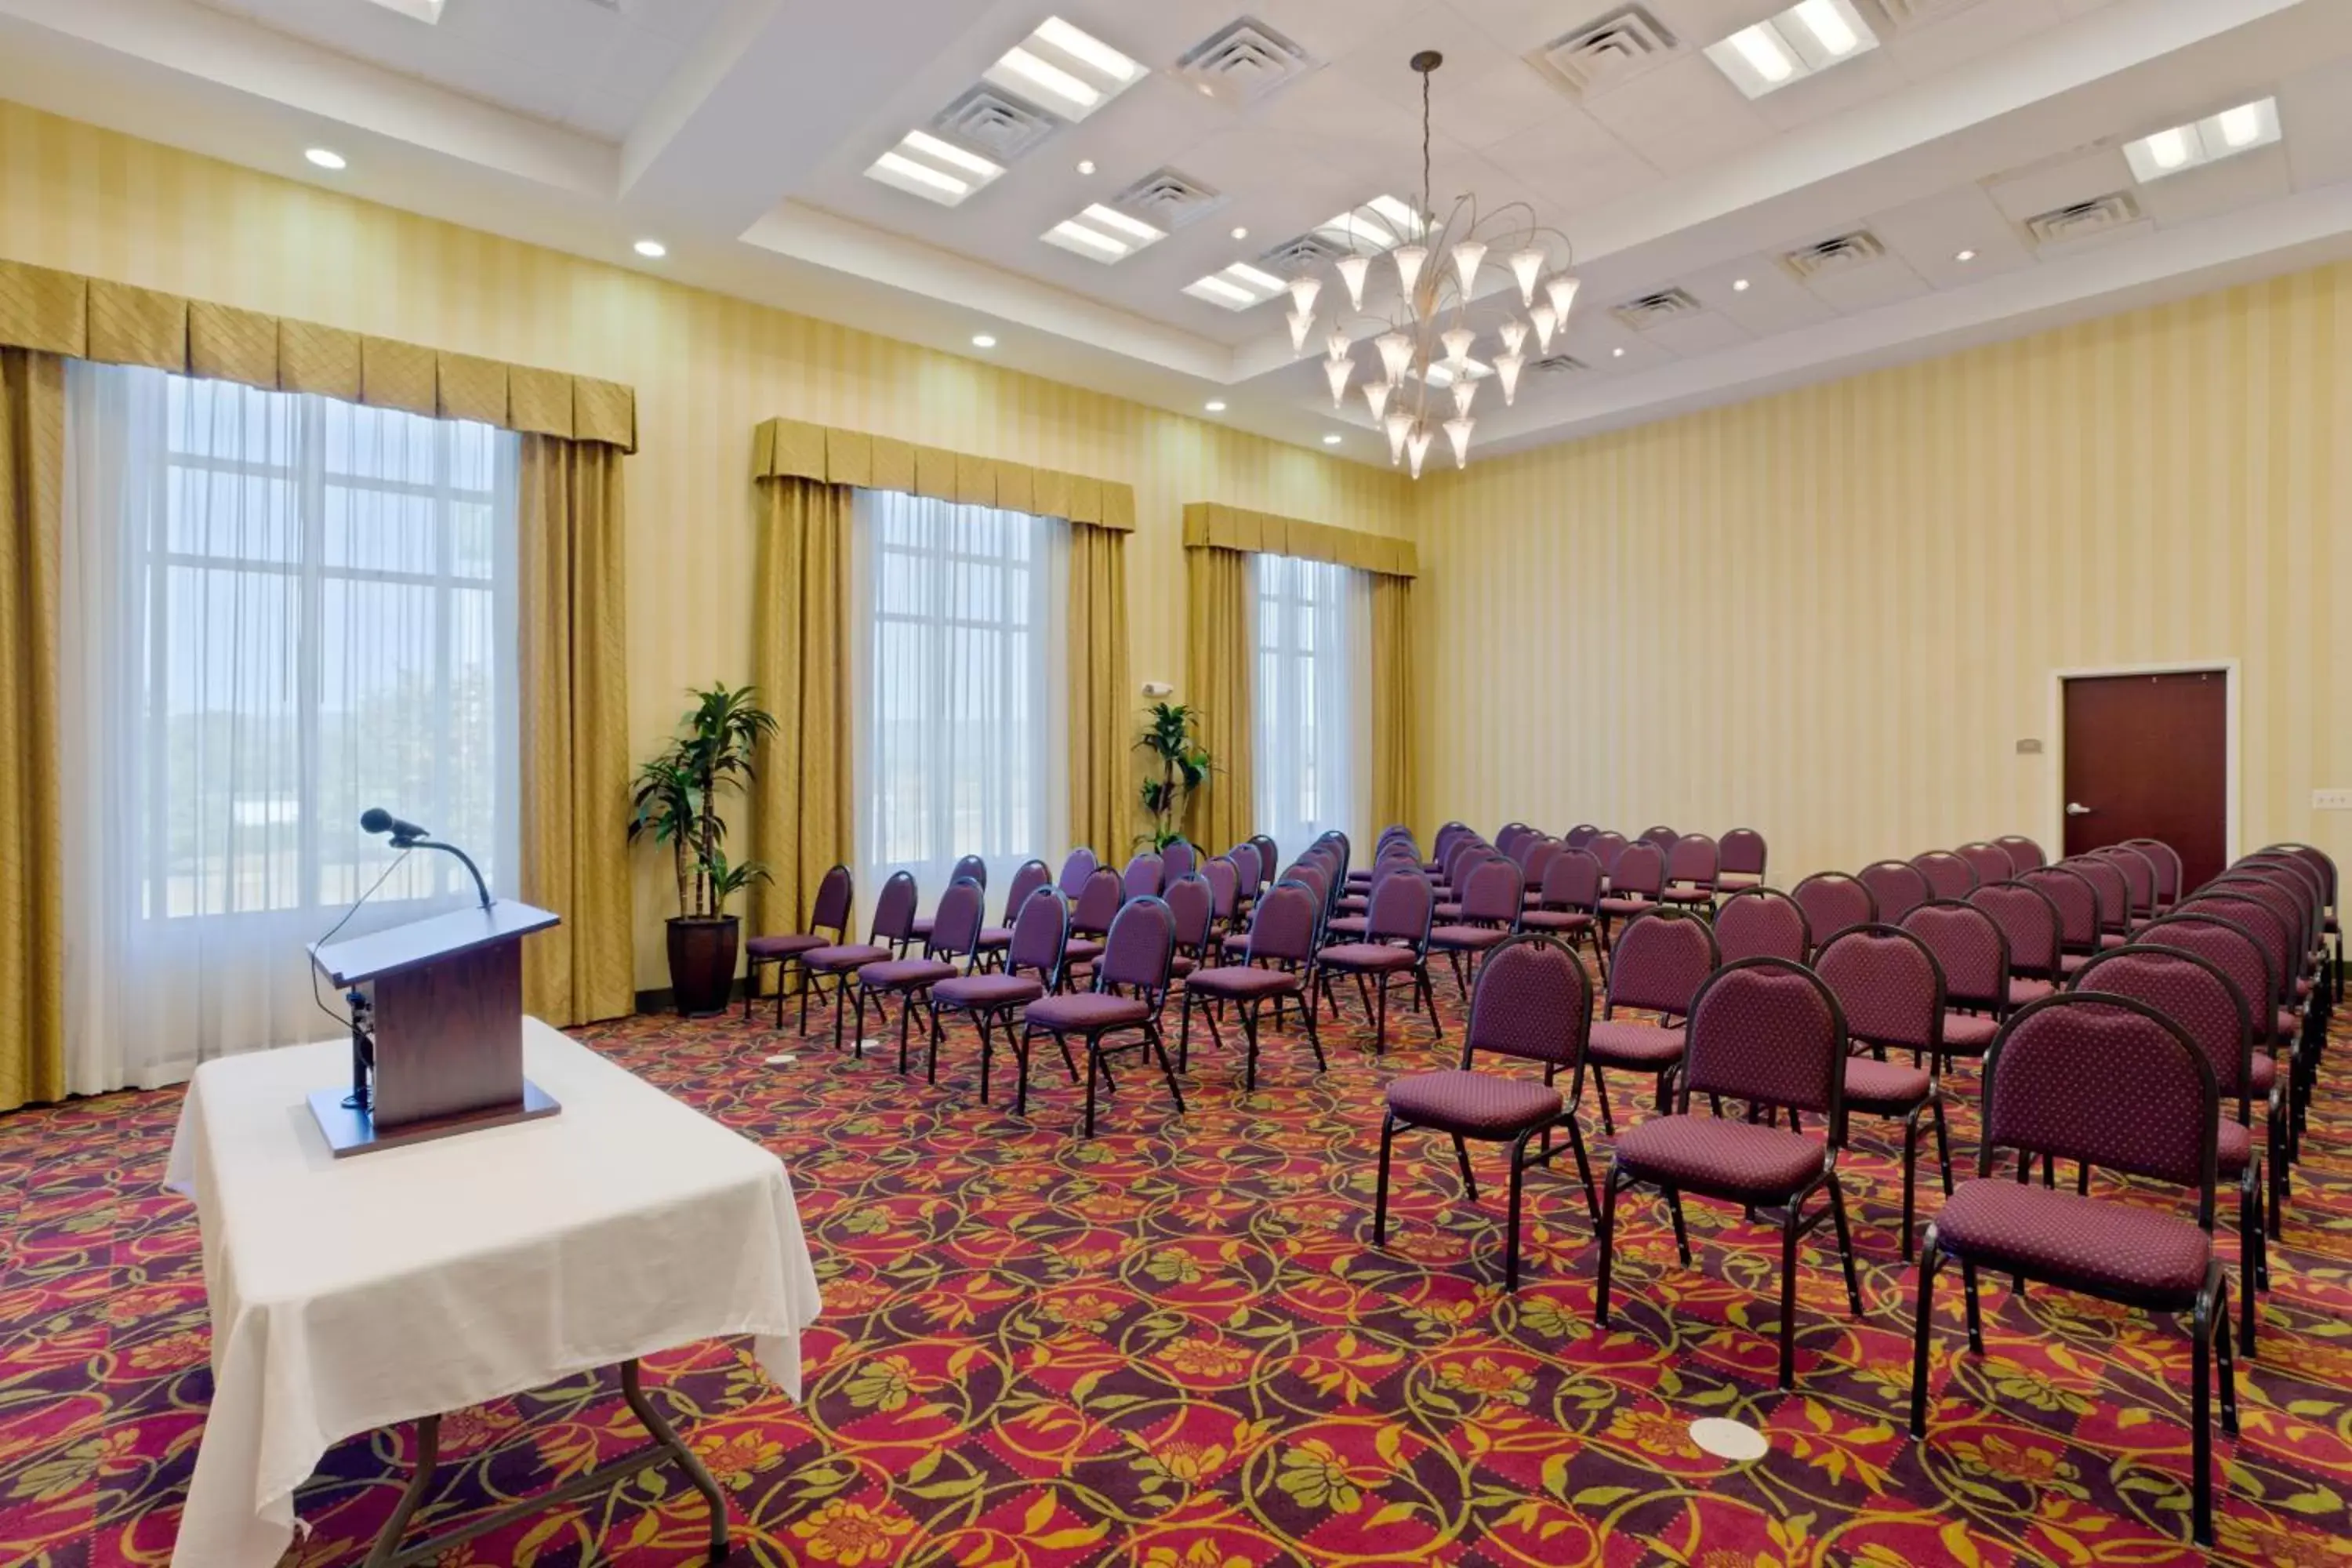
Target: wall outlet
2331, 800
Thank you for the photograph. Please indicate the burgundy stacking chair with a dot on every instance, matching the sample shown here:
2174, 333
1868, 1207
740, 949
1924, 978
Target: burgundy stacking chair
2196, 994
2166, 860
1635, 885
1032, 969
1491, 908
1605, 847
893, 924
2288, 1015
1268, 857
2108, 880
1178, 859
1762, 922
1831, 901
2294, 930
2112, 1083
1076, 867
2242, 955
1394, 941
1662, 836
1948, 876
1743, 852
1692, 866
2024, 855
1972, 953
1350, 923
2141, 880
1660, 963
1534, 1002
1581, 835
1439, 846
2333, 924
1130, 984
2077, 903
1027, 878
1896, 887
1535, 858
1091, 913
1567, 906
1250, 871
1192, 906
953, 939
1316, 871
1143, 876
1768, 1032
2031, 924
1990, 862
829, 913
967, 868
1893, 993
1279, 966
1507, 839
1466, 853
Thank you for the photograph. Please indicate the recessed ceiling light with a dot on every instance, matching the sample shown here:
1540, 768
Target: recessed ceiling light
652, 249
1102, 234
325, 158
1331, 440
1808, 37
2206, 140
1241, 234
983, 341
923, 165
1215, 405
1086, 165
1237, 286
1739, 285
1964, 256
1617, 354
1066, 69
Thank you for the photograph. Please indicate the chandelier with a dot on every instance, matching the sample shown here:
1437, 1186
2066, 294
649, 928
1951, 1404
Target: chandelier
1428, 379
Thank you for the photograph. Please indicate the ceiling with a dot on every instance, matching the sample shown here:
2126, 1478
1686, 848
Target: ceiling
739, 134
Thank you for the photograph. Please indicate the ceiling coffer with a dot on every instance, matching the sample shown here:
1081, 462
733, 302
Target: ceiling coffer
1602, 53
1842, 253
2079, 220
1242, 61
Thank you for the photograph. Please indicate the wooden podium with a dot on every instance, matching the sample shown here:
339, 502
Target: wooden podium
446, 999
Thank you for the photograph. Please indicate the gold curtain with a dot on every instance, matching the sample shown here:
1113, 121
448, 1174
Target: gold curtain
1218, 650
800, 629
1392, 677
1102, 769
575, 729
32, 871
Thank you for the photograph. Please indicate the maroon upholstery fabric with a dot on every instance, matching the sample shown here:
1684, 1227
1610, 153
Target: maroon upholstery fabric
1694, 858
2076, 900
1948, 876
1283, 926
1143, 876
2278, 942
1480, 1104
955, 927
1884, 1088
1087, 1010
2228, 947
853, 956
1027, 878
1659, 963
1533, 1000
1350, 926
1766, 1030
2190, 992
1639, 1045
1742, 854
2083, 1078
1898, 887
1366, 955
1039, 932
2122, 1246
1491, 893
1142, 940
989, 990
1097, 902
2029, 920
1641, 868
1661, 835
1468, 938
2166, 862
2023, 852
1605, 848
2107, 882
1968, 1034
1400, 907
1082, 950
783, 946
1080, 865
2232, 1148
1192, 907
2020, 992
1831, 901
2139, 877
1715, 1155
831, 911
1990, 862
1243, 982
894, 911
1886, 983
1179, 861
1558, 920
1761, 925
903, 973
1225, 880
1969, 947
1625, 905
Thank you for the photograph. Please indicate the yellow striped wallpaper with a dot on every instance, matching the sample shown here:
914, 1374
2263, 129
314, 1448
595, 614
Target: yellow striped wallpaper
706, 369
1831, 614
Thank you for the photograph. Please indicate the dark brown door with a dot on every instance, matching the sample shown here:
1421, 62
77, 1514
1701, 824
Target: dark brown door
2148, 757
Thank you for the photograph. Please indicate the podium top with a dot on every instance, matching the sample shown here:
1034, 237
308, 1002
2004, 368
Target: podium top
369, 957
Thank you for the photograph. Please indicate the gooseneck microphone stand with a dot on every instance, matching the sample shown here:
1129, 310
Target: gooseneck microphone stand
405, 836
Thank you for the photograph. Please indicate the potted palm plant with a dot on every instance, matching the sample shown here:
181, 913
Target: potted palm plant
1172, 737
675, 801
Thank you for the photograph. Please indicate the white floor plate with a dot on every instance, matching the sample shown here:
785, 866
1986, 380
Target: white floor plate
782, 1060
1733, 1440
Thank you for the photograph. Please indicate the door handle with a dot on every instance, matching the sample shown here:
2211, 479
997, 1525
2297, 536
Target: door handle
2076, 808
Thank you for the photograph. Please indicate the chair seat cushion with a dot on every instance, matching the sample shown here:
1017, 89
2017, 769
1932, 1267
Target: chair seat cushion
1467, 938
2070, 962
922, 925
1087, 1010
2234, 1148
1180, 964
2302, 986
2266, 1073
1244, 981
989, 990
1627, 904
1884, 1089
1718, 1156
1688, 895
2112, 939
1642, 1046
905, 974
1348, 925
1354, 903
1732, 881
2022, 990
993, 937
1367, 955
1482, 1105
856, 955
1082, 950
783, 946
2079, 1240
2290, 1022
1557, 919
1237, 944
1447, 909
1969, 1033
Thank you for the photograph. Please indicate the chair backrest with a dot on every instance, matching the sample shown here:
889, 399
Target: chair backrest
1989, 861
1582, 835
1401, 907
2139, 877
1762, 922
2024, 855
2294, 873
831, 910
1141, 877
2318, 860
1492, 894
1536, 856
1076, 867
1694, 858
2107, 1081
1744, 850
2030, 921
1193, 907
1767, 1031
2075, 899
2194, 994
1138, 951
2231, 948
1269, 856
1659, 961
2166, 860
1948, 876
1284, 926
1898, 887
1027, 878
1316, 876
1572, 881
1606, 845
1178, 859
1507, 839
955, 924
1662, 836
1248, 867
1532, 1000
1446, 835
1970, 948
894, 911
1641, 868
1889, 985
2107, 880
972, 866
1467, 852
1225, 881
2275, 934
1098, 903
2291, 904
1041, 932
1831, 901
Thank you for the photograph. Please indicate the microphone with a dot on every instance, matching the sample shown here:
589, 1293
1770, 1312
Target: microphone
408, 836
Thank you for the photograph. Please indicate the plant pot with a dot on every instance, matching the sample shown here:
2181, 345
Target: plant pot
702, 964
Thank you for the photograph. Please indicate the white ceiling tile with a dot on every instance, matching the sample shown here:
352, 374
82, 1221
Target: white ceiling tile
2212, 188
1882, 282
1378, 63
1772, 302
1513, 98
1681, 116
2316, 117
1704, 334
1573, 162
2070, 177
1986, 28
1843, 86
1929, 235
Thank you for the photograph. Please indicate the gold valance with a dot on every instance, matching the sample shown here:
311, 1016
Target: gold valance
114, 323
1208, 524
794, 450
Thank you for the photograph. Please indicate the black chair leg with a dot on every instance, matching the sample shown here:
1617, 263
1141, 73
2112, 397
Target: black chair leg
1461, 1158
1315, 1035
1607, 1246
1583, 1169
1976, 1310
1160, 1049
1094, 1062
1910, 1175
1184, 1034
1788, 1294
1511, 1224
1381, 1184
1249, 1040
1931, 1260
2200, 1422
1682, 1231
1601, 1092
1845, 1243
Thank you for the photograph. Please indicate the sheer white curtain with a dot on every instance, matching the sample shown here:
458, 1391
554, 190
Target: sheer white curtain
961, 696
1313, 700
279, 611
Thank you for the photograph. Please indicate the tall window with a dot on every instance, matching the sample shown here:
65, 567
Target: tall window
293, 608
1314, 730
960, 689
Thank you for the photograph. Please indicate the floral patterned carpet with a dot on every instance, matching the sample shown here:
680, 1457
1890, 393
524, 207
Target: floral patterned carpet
1174, 1347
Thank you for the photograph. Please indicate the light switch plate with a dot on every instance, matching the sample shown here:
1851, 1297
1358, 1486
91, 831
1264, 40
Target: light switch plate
2331, 800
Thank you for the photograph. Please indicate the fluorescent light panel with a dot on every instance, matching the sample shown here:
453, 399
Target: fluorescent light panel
1803, 40
1380, 224
1063, 69
2206, 140
1102, 234
1237, 287
426, 11
923, 165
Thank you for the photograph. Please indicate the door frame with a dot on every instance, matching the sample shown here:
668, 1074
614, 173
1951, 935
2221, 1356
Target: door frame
2055, 817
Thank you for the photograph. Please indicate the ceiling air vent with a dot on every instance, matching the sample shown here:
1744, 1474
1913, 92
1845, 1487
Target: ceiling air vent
1557, 364
1243, 62
994, 122
1303, 254
1602, 53
1167, 199
2082, 219
1654, 310
1845, 253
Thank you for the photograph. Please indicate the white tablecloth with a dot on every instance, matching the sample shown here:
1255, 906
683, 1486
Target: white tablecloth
357, 1293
